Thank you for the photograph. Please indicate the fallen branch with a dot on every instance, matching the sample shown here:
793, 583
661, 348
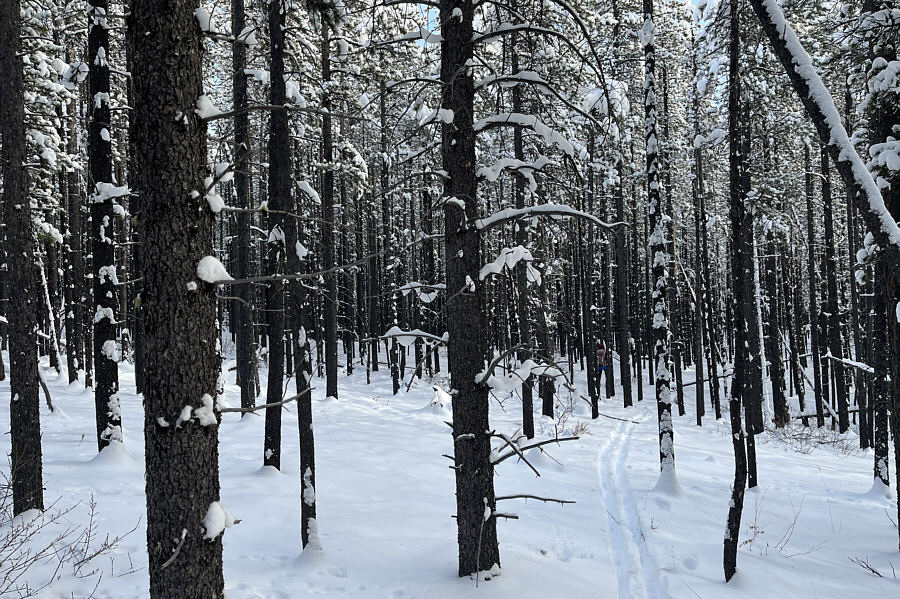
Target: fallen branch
526, 496
264, 406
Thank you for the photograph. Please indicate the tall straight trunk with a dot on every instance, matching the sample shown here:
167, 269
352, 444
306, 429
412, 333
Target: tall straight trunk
372, 311
674, 305
860, 379
658, 253
182, 364
623, 341
302, 375
881, 384
739, 218
521, 273
246, 359
386, 232
24, 408
709, 306
75, 268
835, 341
279, 200
585, 250
772, 326
699, 287
102, 199
752, 393
475, 503
813, 300
327, 228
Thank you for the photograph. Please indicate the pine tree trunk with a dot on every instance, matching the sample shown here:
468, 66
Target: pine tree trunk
327, 228
279, 200
475, 503
813, 301
739, 220
659, 255
521, 268
182, 364
835, 341
246, 358
24, 408
106, 366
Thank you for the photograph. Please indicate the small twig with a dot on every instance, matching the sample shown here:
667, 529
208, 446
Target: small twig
865, 565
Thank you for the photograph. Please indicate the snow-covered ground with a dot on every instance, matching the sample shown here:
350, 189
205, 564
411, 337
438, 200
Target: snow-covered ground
385, 501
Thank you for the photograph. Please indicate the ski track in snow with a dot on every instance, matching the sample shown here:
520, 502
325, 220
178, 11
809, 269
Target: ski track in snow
636, 569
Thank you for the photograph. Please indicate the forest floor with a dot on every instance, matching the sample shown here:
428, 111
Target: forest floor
385, 501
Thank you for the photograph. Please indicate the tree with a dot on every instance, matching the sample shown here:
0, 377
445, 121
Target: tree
104, 194
25, 424
475, 502
179, 311
659, 251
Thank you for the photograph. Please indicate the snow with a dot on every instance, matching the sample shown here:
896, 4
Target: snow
204, 20
380, 476
508, 258
216, 520
820, 95
205, 108
106, 191
311, 193
211, 270
550, 136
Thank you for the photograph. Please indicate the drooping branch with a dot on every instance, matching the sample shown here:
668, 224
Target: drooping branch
827, 120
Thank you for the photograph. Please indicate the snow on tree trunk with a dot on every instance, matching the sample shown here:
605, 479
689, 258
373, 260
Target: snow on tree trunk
659, 252
102, 202
182, 363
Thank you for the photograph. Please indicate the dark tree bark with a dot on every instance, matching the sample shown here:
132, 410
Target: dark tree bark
74, 275
22, 310
813, 301
182, 364
279, 200
659, 257
102, 202
835, 340
881, 384
327, 228
302, 375
739, 261
524, 330
475, 503
246, 358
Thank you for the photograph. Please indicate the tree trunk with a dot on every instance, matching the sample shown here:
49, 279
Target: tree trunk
245, 353
182, 364
475, 503
739, 220
813, 301
279, 200
327, 228
659, 255
102, 202
24, 408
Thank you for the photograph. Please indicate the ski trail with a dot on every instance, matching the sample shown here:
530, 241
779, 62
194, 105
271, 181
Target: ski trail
636, 569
